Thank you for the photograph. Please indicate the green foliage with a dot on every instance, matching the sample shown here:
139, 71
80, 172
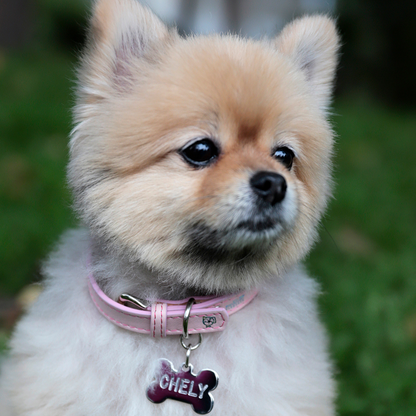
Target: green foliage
366, 261
35, 121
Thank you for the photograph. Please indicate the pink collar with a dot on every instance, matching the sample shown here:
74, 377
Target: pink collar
165, 317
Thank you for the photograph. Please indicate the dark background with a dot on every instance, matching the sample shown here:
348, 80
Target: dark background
365, 260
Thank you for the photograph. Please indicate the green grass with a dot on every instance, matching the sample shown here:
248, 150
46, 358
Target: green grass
35, 121
365, 259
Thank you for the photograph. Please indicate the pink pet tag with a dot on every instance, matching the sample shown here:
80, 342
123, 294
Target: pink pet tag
183, 385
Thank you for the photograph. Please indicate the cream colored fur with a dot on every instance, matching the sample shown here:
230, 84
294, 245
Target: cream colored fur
143, 94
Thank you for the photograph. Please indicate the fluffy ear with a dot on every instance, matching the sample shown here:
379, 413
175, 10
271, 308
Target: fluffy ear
121, 33
312, 43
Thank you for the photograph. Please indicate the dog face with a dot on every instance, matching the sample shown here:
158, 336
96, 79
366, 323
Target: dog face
206, 158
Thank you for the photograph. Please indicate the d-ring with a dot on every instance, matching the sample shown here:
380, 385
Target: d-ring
190, 346
185, 334
186, 315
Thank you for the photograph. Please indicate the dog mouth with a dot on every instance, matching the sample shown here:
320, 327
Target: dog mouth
240, 234
258, 226
247, 241
210, 255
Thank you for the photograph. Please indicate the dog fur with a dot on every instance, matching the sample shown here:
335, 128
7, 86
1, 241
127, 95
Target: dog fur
158, 228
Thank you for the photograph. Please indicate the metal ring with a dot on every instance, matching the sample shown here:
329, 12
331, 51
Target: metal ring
188, 354
186, 315
191, 347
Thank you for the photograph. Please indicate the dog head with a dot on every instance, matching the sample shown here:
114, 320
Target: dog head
206, 159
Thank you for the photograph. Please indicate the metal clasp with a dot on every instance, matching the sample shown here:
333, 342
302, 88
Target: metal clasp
185, 334
125, 298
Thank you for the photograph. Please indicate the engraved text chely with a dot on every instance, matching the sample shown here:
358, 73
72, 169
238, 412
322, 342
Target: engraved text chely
180, 386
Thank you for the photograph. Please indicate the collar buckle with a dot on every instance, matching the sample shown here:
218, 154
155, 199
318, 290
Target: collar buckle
126, 299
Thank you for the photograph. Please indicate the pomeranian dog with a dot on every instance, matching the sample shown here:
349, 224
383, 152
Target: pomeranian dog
200, 167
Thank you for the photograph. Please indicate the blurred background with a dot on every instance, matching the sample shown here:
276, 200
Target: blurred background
366, 259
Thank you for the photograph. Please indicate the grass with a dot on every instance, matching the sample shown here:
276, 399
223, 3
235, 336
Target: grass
35, 121
365, 260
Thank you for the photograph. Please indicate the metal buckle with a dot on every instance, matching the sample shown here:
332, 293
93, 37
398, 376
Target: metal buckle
125, 298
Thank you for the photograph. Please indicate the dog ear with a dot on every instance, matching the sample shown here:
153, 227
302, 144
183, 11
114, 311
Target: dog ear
312, 44
122, 33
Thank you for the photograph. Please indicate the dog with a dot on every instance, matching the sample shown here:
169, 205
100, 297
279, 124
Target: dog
200, 168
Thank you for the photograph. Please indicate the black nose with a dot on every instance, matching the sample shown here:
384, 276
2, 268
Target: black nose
269, 186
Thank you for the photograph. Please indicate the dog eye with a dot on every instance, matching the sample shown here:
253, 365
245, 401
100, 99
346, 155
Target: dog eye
285, 156
200, 153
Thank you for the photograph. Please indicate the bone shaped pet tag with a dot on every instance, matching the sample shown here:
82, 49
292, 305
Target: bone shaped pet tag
183, 385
